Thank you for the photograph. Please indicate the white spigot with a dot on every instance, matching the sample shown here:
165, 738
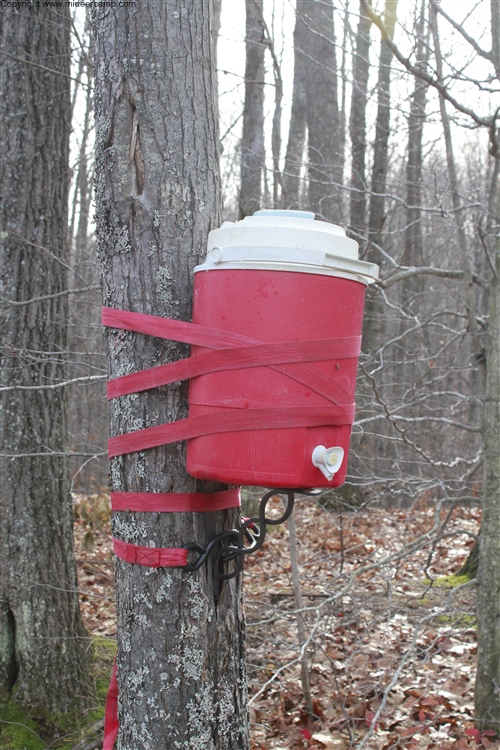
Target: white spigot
328, 460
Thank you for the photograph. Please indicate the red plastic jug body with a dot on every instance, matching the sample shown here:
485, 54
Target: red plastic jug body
273, 306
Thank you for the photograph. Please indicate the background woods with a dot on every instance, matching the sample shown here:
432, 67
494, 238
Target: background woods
381, 117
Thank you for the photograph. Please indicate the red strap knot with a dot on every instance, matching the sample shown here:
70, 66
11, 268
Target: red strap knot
150, 557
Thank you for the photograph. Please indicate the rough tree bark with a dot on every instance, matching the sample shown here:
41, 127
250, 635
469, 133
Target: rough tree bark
45, 651
252, 140
181, 669
487, 688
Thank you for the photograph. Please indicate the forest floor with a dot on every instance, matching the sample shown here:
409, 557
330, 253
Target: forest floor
391, 637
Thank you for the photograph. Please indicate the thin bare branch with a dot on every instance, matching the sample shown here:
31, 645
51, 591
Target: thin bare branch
470, 40
489, 122
43, 67
445, 273
87, 380
23, 303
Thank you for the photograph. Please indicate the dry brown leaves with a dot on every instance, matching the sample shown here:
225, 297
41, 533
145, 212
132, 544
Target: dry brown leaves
391, 650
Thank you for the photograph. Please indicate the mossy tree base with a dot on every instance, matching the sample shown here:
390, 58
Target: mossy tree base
22, 728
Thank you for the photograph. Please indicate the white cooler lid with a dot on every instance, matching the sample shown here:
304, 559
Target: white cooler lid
286, 241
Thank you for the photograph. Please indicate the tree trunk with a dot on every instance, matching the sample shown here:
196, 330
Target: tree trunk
276, 128
495, 35
298, 117
181, 668
217, 10
487, 692
322, 109
413, 253
487, 689
375, 447
374, 311
379, 169
45, 651
357, 125
342, 106
252, 141
413, 369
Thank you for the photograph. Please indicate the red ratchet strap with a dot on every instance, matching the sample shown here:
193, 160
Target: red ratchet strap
214, 338
175, 502
111, 725
229, 421
257, 355
166, 502
290, 358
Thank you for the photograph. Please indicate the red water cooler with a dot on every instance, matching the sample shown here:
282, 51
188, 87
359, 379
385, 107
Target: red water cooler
290, 292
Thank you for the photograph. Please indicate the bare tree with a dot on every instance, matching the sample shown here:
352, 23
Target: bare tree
382, 128
322, 108
357, 125
252, 140
45, 654
374, 317
88, 427
413, 252
298, 116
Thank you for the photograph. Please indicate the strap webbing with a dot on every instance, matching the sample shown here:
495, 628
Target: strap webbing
213, 338
175, 330
226, 420
231, 420
257, 355
111, 725
155, 557
175, 502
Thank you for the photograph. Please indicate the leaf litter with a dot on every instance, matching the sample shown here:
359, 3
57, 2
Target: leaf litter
391, 636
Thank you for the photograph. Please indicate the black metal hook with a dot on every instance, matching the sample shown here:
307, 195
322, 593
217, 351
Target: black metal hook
234, 544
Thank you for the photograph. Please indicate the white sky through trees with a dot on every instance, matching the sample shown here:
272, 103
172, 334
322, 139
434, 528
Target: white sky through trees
466, 72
